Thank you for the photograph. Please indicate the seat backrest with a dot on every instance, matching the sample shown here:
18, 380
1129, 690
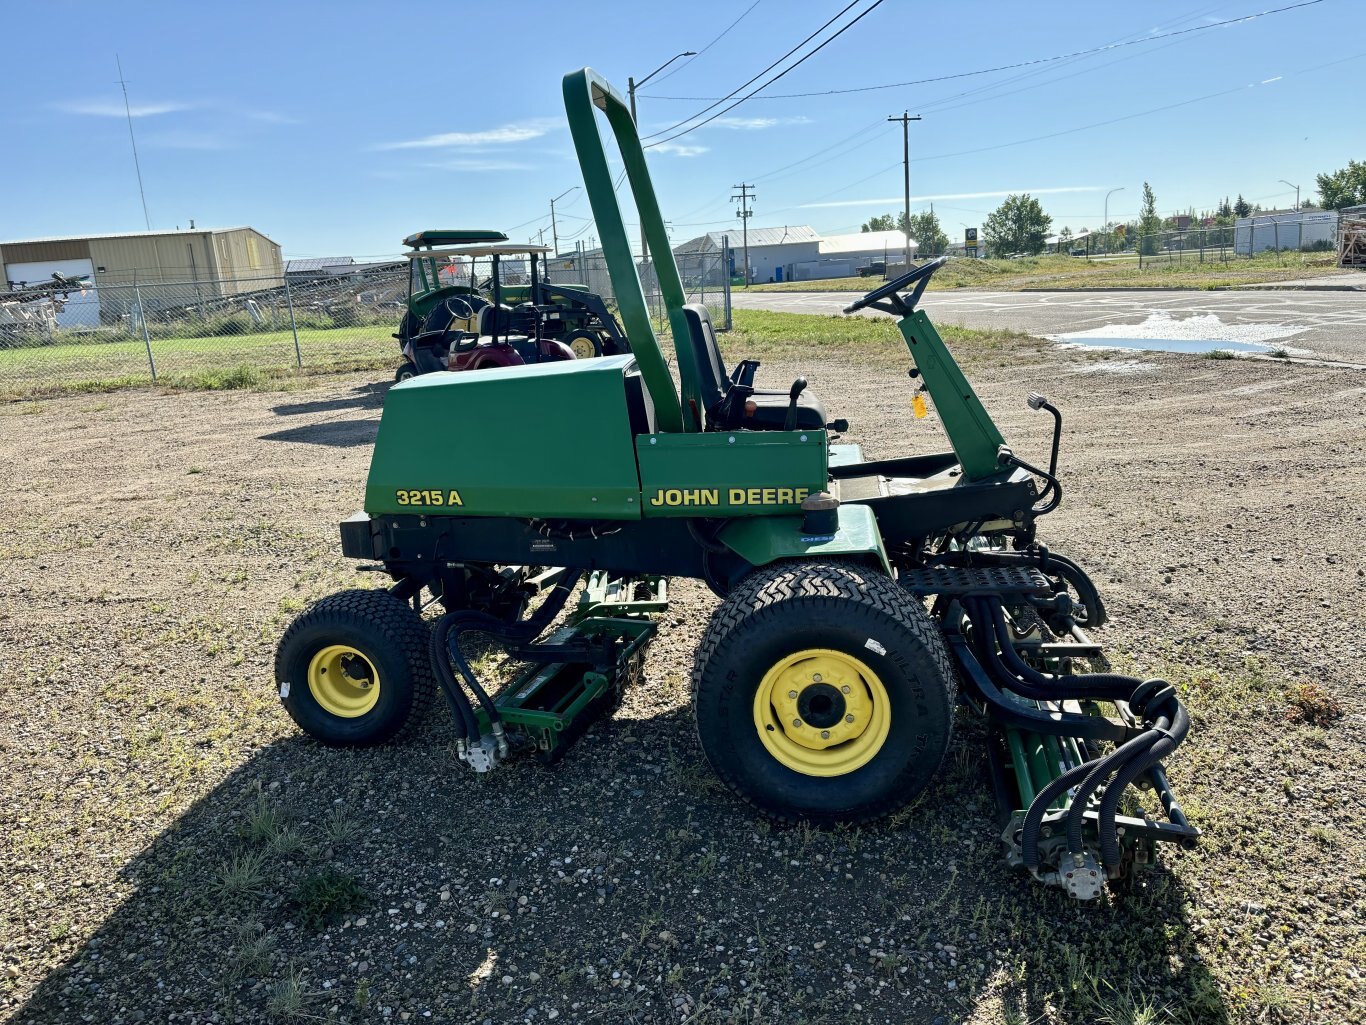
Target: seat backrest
494, 319
711, 371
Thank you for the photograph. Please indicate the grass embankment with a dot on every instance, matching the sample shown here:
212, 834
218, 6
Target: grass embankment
235, 361
768, 333
267, 361
1074, 272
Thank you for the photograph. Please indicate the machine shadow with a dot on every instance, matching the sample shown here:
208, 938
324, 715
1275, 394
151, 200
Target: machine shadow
332, 433
365, 396
310, 883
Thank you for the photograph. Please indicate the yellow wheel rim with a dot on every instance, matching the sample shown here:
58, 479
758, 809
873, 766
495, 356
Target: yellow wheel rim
343, 681
822, 712
582, 348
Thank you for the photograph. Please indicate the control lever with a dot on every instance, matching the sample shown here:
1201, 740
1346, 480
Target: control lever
798, 386
1037, 402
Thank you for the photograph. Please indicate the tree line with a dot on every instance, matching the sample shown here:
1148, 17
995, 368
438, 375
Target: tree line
1019, 226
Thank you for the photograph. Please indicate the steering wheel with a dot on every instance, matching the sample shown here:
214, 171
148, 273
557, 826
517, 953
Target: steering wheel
889, 291
459, 308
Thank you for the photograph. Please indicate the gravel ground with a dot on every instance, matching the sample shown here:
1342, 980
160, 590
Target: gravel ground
174, 851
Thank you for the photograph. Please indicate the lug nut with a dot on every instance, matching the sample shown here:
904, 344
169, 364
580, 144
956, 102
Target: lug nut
815, 677
792, 693
849, 718
825, 734
845, 688
796, 722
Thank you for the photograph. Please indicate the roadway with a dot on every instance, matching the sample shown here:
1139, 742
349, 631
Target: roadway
1325, 324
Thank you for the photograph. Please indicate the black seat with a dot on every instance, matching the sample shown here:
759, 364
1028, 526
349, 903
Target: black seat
770, 404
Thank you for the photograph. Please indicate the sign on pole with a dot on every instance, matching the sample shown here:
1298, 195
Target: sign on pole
970, 242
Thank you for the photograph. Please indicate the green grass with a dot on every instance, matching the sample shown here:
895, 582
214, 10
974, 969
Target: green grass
767, 333
1072, 272
213, 363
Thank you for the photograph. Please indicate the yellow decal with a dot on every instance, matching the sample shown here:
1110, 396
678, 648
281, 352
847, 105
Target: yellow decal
918, 407
408, 496
734, 496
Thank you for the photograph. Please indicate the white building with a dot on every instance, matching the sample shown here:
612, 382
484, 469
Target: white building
1289, 229
773, 252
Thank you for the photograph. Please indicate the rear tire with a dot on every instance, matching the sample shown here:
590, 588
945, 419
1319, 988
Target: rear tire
584, 344
352, 670
404, 372
875, 693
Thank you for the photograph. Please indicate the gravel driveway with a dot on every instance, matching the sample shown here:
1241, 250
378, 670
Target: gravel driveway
174, 851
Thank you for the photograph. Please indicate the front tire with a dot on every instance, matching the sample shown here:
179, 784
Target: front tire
405, 372
352, 670
823, 692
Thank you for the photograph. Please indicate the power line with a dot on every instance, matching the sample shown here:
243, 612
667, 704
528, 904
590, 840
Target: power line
723, 99
1129, 117
136, 165
791, 67
1008, 67
704, 49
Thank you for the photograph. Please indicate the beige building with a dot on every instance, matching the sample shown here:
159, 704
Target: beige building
220, 261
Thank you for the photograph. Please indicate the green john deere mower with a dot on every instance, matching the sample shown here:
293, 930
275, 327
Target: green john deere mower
861, 601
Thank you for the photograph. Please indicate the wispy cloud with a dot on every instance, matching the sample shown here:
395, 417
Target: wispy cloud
1268, 81
755, 123
476, 164
679, 149
958, 195
501, 136
103, 108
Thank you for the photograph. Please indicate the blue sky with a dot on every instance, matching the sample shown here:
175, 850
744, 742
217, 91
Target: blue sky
339, 128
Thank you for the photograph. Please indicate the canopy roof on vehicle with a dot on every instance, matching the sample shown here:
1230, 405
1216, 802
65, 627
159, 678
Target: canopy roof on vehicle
453, 236
510, 249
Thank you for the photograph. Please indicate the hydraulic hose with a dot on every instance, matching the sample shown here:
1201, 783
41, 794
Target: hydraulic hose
446, 645
1116, 760
1029, 832
466, 725
1167, 742
1017, 675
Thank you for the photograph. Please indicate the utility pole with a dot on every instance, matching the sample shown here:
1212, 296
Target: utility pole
554, 229
745, 195
906, 120
631, 86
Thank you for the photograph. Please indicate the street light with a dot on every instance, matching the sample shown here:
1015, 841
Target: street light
1107, 215
631, 86
554, 230
1295, 187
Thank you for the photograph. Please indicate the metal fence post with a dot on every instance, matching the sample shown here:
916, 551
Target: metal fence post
146, 335
289, 299
725, 276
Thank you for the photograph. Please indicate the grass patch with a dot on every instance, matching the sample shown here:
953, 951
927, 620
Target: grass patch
768, 333
326, 895
1051, 271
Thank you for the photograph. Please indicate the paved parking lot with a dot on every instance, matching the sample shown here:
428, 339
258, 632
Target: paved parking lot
1329, 324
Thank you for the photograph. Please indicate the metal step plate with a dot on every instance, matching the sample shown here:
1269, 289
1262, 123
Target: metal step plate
964, 580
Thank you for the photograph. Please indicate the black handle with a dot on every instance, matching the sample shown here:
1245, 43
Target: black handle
798, 386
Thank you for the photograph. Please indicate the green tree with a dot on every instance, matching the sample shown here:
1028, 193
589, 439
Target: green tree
1149, 224
1345, 187
883, 222
1018, 225
926, 232
1242, 208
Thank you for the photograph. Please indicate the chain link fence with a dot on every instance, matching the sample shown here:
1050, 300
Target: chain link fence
706, 279
1276, 238
150, 331
220, 332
